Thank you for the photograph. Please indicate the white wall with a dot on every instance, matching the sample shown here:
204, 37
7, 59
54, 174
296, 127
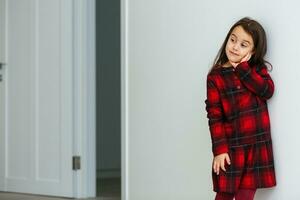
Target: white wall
171, 46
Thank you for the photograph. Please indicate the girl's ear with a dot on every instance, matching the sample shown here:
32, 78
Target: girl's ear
252, 51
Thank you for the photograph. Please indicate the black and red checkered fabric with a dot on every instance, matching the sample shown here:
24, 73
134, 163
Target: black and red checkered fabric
239, 124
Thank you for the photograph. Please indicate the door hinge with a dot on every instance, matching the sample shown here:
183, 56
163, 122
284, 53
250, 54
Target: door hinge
1, 65
76, 162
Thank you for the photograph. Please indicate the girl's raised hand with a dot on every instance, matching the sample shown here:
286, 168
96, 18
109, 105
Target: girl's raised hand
245, 58
219, 162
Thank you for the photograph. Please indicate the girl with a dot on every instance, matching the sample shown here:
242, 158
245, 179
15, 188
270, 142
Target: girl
238, 87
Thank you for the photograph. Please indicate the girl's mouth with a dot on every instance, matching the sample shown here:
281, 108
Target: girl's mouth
234, 53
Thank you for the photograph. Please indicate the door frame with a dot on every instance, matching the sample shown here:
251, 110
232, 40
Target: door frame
124, 100
84, 57
84, 97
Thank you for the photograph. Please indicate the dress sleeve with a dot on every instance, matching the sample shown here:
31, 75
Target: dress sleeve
259, 82
215, 118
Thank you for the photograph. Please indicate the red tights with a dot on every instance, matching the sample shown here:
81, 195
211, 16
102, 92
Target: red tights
242, 194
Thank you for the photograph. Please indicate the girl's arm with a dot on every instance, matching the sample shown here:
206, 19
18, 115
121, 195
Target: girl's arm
259, 82
215, 118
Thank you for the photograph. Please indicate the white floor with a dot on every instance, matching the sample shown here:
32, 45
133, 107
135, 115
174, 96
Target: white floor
107, 189
14, 196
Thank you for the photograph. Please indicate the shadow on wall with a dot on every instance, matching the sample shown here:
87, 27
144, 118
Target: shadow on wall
264, 193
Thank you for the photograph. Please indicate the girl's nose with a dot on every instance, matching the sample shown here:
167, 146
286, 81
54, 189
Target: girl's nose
235, 47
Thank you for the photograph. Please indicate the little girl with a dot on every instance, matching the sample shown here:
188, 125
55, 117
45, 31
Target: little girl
238, 87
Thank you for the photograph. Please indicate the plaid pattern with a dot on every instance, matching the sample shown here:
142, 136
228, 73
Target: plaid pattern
238, 117
252, 167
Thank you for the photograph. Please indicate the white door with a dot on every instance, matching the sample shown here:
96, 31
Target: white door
36, 97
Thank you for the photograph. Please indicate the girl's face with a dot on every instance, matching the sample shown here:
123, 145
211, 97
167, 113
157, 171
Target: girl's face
239, 44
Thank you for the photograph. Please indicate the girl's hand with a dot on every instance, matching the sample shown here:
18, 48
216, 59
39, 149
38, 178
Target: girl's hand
246, 58
219, 161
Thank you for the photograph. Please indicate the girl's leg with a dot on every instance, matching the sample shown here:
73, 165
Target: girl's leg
224, 196
245, 194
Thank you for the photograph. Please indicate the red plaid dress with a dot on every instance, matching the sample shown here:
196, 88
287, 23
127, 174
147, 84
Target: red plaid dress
239, 124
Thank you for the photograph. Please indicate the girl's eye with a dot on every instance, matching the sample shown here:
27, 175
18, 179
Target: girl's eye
243, 45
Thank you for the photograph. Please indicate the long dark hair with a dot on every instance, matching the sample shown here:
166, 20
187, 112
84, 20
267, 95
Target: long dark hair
258, 35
